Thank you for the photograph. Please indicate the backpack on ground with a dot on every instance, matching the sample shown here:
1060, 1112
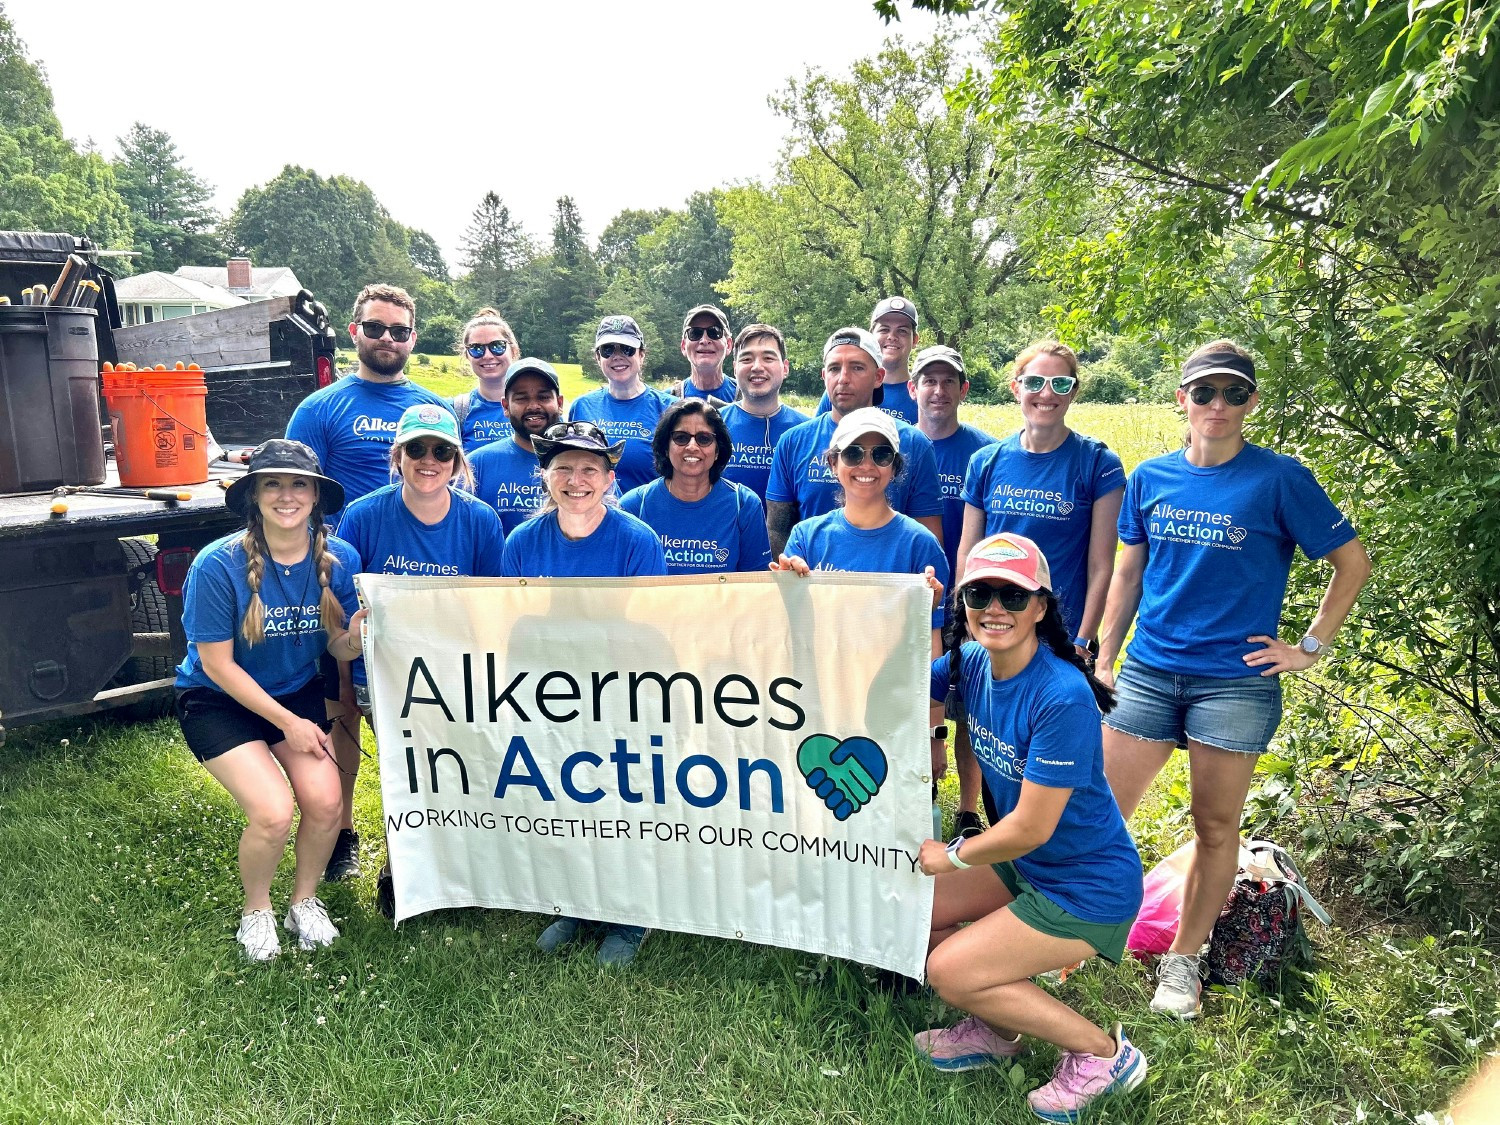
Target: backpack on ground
1260, 930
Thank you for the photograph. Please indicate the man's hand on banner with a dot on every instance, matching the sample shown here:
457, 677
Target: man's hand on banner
845, 774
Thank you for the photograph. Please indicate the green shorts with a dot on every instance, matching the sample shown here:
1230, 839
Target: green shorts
1041, 913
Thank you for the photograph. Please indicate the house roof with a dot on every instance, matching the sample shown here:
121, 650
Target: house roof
157, 287
268, 281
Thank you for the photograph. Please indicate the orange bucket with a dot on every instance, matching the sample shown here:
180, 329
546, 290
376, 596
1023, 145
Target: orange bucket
159, 424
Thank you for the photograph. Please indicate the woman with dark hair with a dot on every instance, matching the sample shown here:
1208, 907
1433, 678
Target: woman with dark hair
259, 607
706, 524
1209, 532
1056, 878
580, 533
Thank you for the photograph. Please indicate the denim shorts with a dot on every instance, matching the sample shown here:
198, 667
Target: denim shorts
1239, 714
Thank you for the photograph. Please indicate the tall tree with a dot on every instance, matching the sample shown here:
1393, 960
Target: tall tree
885, 187
572, 286
331, 230
494, 247
169, 203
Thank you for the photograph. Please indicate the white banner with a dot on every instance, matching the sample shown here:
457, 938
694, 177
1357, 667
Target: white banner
742, 756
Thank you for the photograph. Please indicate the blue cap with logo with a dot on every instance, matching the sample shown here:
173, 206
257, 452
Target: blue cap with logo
619, 330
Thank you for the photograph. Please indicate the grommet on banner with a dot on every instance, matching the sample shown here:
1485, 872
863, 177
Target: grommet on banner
523, 582
557, 910
723, 579
739, 933
926, 779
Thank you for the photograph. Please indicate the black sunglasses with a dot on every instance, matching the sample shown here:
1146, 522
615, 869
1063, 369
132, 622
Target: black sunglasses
854, 454
607, 351
374, 330
702, 437
1236, 394
978, 595
696, 332
416, 449
560, 430
494, 347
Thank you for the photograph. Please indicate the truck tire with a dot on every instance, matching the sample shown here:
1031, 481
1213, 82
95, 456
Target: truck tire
148, 614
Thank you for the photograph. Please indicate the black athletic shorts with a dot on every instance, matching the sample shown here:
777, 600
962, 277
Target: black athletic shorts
214, 721
328, 674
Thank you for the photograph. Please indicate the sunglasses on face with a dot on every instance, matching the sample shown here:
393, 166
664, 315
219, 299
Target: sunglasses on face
416, 449
1061, 384
1236, 394
702, 437
374, 330
854, 454
607, 351
712, 331
494, 347
978, 595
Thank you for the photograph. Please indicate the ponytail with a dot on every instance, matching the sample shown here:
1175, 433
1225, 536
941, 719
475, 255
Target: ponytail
330, 612
253, 542
1051, 631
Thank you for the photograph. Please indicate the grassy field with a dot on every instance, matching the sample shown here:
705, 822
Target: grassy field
123, 997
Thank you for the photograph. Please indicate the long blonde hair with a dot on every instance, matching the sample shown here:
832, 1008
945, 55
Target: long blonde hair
253, 542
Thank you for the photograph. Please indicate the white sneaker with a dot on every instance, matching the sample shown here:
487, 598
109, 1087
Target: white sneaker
1178, 986
257, 933
309, 920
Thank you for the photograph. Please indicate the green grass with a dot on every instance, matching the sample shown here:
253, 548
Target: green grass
447, 375
123, 998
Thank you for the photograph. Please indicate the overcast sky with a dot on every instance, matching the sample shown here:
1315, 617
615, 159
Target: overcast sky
619, 105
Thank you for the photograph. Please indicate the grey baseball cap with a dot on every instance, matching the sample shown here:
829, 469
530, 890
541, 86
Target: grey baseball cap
938, 353
712, 310
619, 330
895, 305
530, 366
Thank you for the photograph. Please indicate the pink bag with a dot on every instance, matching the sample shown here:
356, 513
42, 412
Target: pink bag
1161, 905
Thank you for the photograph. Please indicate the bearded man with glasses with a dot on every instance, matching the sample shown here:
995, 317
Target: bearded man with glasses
351, 426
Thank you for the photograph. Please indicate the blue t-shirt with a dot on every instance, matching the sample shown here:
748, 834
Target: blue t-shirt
351, 424
390, 540
896, 400
620, 547
722, 394
1042, 726
726, 530
953, 454
485, 422
902, 546
753, 443
633, 419
217, 594
800, 474
508, 479
1049, 498
1219, 546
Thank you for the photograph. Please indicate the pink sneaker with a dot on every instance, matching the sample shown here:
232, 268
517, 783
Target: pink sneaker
967, 1045
1081, 1078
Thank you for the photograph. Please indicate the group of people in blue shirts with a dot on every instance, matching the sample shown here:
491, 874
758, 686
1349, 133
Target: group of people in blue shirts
1018, 538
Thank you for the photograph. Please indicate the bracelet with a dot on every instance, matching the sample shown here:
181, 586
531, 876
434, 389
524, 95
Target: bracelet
1080, 642
952, 850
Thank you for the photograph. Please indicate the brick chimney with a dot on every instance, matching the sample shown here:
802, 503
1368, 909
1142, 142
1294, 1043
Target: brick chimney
239, 273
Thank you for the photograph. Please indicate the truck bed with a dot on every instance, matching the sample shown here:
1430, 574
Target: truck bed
28, 515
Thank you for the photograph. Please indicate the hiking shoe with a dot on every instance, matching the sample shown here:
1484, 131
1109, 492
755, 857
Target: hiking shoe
257, 933
385, 892
621, 944
1178, 985
344, 862
968, 1045
559, 934
967, 825
1082, 1078
309, 920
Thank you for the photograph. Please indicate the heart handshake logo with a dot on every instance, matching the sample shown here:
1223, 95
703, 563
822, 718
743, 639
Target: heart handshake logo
1065, 506
722, 554
845, 774
1236, 535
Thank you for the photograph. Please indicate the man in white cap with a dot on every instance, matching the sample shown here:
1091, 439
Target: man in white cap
894, 326
802, 485
706, 341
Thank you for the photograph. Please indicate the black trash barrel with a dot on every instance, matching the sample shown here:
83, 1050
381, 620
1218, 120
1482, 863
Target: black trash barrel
49, 398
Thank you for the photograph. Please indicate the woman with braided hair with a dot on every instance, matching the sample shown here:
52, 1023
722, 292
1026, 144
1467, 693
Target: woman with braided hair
1056, 878
259, 608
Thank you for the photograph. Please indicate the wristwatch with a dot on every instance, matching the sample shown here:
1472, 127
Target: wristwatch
940, 731
1311, 645
952, 851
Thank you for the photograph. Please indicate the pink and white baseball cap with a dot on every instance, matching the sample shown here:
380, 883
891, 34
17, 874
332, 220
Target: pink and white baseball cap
1005, 557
